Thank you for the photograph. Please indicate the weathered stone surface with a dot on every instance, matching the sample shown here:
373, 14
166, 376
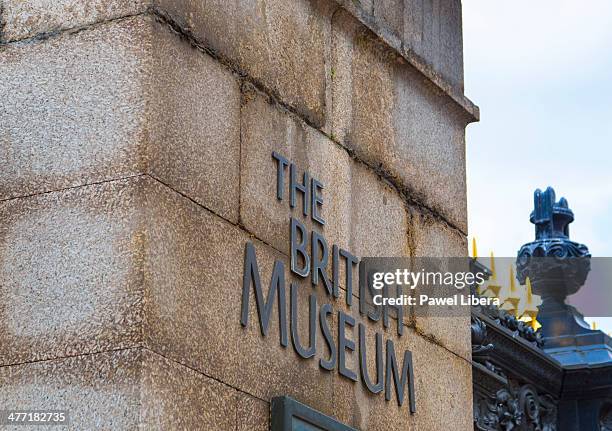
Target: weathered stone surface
428, 33
194, 123
71, 272
71, 109
253, 414
100, 391
111, 102
452, 332
176, 397
124, 390
193, 282
193, 286
24, 19
392, 117
443, 386
433, 31
133, 262
266, 128
389, 15
379, 221
279, 44
430, 237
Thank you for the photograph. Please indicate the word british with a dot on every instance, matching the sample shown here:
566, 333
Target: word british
312, 259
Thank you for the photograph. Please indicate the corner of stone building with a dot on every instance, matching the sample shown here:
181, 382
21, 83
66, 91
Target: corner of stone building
86, 237
397, 121
285, 52
155, 162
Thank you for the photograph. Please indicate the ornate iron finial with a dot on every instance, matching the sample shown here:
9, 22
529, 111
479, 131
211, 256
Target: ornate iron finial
551, 219
556, 266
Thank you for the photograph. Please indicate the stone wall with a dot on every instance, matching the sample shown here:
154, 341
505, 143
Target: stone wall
135, 143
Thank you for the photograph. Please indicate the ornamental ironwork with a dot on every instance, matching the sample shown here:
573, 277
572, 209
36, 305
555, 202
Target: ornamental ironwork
520, 409
553, 378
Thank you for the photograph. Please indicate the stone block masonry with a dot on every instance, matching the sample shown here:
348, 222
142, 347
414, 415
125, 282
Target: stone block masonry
396, 121
114, 100
136, 143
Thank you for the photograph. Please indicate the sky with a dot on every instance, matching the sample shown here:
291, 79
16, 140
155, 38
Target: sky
541, 73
